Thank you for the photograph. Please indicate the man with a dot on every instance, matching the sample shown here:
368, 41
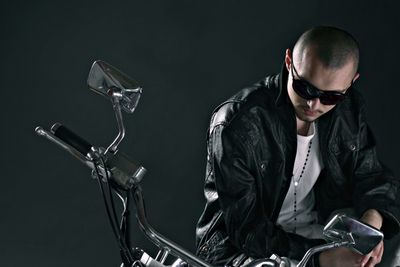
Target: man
287, 152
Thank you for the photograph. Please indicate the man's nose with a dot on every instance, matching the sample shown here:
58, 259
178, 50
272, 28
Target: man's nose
313, 104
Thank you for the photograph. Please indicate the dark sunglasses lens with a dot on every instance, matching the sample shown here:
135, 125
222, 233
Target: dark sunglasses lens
331, 99
303, 90
306, 91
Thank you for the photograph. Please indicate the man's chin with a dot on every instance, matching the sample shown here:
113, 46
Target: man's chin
306, 115
306, 118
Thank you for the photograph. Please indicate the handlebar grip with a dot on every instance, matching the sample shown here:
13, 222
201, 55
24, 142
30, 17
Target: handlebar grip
71, 138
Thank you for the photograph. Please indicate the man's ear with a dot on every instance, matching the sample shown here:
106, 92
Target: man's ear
356, 77
288, 59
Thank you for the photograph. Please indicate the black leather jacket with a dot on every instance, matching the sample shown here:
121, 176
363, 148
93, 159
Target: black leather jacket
251, 146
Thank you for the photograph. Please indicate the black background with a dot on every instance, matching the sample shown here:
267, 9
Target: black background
188, 56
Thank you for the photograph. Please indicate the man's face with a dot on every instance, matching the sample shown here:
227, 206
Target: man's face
309, 68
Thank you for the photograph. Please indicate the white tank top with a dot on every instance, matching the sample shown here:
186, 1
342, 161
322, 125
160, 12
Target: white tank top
306, 219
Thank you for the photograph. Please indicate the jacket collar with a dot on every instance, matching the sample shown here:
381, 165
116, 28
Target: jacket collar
281, 84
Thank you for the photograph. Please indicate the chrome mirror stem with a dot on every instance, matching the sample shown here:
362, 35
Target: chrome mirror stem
113, 147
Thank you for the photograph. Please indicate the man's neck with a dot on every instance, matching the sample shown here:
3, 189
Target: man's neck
302, 127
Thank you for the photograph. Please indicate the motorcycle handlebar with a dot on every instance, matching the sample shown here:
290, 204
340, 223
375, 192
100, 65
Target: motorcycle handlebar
71, 138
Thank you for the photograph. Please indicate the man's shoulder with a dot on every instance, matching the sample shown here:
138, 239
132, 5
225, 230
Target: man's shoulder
259, 96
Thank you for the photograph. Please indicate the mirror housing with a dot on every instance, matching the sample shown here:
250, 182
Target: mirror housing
110, 82
365, 237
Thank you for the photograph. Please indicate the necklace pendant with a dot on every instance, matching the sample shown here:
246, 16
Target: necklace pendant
296, 183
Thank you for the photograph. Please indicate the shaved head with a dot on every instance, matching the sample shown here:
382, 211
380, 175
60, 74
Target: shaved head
332, 46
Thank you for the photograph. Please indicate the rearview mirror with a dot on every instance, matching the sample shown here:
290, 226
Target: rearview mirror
365, 237
108, 81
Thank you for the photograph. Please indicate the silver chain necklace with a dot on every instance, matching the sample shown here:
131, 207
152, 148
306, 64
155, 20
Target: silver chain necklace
296, 183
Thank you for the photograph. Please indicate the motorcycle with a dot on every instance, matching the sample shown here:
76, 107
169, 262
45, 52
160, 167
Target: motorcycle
117, 174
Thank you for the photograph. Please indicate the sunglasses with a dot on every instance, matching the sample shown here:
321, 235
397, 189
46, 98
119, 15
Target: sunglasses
308, 91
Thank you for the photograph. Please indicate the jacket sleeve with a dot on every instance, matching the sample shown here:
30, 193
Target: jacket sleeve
375, 186
247, 225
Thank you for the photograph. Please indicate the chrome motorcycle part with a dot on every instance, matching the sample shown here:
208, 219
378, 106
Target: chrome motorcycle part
108, 81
